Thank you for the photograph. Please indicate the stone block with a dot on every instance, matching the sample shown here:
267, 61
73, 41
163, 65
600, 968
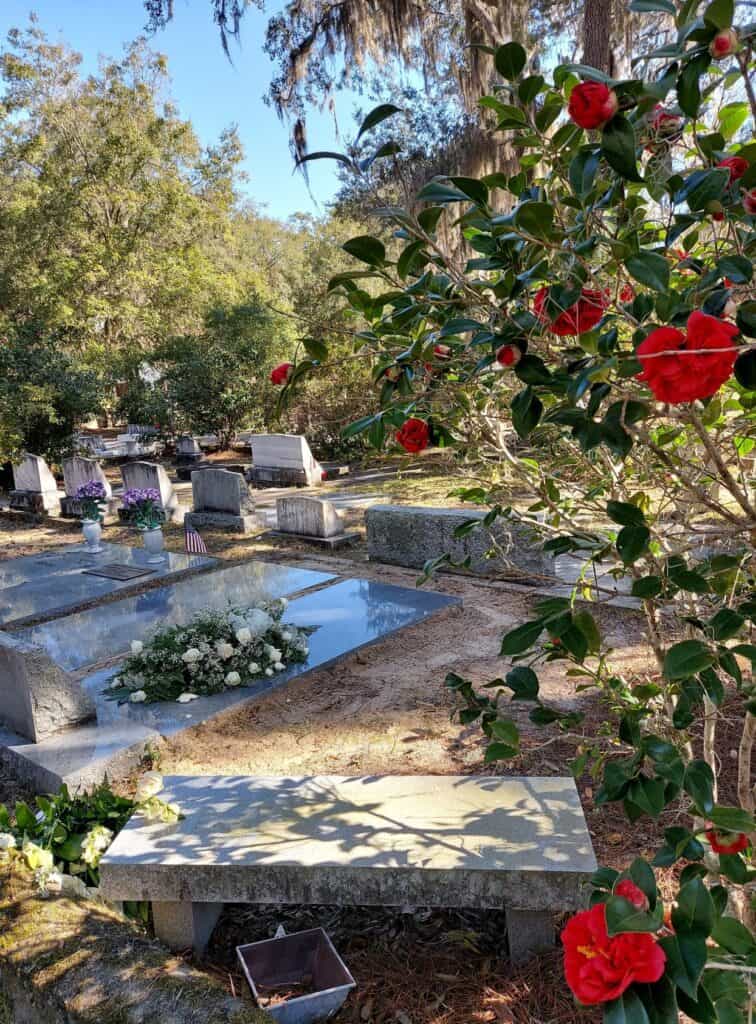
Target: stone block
38, 697
311, 517
38, 503
222, 521
281, 460
34, 487
411, 535
78, 471
219, 490
429, 841
185, 925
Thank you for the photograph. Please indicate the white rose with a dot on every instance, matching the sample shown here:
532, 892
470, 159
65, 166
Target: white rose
286, 635
284, 602
138, 697
184, 698
191, 655
268, 671
279, 666
149, 785
243, 635
7, 841
137, 646
253, 668
258, 621
225, 651
233, 679
273, 653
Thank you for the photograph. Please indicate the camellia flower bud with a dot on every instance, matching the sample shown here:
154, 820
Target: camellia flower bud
724, 43
442, 351
508, 355
592, 104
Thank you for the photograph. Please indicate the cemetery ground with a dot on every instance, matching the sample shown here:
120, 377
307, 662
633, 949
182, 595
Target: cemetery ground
385, 710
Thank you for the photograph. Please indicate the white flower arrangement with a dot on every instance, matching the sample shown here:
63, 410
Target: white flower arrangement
7, 841
216, 651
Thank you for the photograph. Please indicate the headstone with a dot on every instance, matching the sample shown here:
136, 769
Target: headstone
35, 489
143, 475
468, 841
37, 697
76, 472
311, 519
412, 535
188, 457
221, 500
284, 460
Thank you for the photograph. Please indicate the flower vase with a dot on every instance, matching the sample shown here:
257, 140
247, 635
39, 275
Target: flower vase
92, 530
154, 545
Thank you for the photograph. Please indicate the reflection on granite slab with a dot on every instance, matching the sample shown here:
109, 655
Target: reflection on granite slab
87, 637
53, 583
347, 616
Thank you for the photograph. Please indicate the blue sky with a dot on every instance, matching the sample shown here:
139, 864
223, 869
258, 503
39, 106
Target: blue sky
207, 89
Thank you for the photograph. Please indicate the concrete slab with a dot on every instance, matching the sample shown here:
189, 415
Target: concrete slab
347, 615
35, 588
447, 841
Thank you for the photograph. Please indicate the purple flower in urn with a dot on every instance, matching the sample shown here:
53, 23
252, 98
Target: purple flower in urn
145, 506
92, 496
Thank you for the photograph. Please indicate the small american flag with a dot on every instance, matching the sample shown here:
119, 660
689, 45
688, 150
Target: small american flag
194, 544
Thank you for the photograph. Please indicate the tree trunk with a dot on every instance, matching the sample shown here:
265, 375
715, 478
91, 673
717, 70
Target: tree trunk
597, 35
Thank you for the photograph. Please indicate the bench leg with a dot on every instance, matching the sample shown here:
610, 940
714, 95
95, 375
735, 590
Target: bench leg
529, 932
181, 925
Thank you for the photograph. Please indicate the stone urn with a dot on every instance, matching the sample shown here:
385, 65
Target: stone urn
154, 545
92, 530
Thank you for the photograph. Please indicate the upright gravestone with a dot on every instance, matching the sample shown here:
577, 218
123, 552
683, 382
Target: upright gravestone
221, 499
311, 519
150, 475
37, 697
76, 472
284, 460
188, 457
34, 487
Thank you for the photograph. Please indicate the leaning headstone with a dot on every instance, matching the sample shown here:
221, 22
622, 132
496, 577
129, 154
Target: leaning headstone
412, 535
189, 456
76, 472
221, 499
143, 475
311, 519
284, 460
34, 487
37, 697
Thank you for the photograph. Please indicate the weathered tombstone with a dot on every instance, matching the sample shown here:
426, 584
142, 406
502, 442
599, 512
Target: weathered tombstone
412, 535
188, 457
76, 472
284, 460
221, 499
37, 697
35, 489
311, 519
143, 475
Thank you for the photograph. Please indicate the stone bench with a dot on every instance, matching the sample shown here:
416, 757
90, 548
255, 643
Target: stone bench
430, 841
412, 535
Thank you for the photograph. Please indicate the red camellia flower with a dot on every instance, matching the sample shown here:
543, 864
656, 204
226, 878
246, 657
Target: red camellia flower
281, 374
723, 44
392, 373
727, 842
632, 893
749, 202
736, 165
592, 104
442, 351
508, 355
680, 378
414, 435
578, 319
599, 968
627, 294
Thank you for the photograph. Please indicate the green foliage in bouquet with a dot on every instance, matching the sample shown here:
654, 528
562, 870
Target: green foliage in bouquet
216, 651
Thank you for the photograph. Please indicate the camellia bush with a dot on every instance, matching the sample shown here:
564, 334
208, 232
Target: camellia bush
595, 350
